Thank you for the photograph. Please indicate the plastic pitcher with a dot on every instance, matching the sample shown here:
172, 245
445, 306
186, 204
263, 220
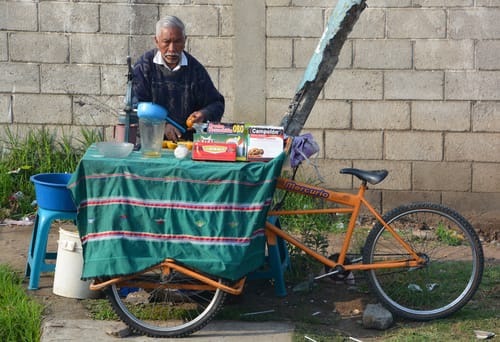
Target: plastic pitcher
151, 133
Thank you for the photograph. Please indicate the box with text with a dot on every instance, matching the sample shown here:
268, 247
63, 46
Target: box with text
214, 151
228, 138
264, 142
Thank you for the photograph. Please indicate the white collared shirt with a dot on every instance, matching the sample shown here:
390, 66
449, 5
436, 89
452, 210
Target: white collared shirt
158, 59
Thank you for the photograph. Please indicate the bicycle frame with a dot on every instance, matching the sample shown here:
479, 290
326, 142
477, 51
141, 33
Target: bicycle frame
352, 203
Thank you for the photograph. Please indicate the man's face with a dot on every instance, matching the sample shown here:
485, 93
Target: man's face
171, 43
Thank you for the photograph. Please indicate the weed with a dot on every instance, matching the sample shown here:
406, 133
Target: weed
40, 151
20, 316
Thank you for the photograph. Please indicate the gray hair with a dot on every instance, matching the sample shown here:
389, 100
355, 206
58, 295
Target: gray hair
170, 21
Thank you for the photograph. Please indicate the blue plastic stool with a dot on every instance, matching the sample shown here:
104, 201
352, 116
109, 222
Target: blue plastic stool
278, 260
37, 254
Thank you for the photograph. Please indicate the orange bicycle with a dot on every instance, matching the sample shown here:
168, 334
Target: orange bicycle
423, 261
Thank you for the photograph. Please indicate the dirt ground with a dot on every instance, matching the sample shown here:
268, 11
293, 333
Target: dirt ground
331, 306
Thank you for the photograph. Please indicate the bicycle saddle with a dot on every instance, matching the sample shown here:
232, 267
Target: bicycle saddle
372, 177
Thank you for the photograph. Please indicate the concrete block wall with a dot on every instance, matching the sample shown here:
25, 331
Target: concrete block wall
416, 89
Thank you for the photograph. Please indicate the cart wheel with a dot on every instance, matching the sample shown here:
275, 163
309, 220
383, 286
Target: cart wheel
165, 304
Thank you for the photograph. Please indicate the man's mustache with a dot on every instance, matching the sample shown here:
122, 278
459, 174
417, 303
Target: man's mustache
172, 54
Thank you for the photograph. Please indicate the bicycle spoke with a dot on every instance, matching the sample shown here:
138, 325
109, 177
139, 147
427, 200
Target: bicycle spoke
453, 261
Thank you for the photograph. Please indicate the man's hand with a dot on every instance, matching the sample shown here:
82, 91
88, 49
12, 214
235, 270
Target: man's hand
195, 117
172, 133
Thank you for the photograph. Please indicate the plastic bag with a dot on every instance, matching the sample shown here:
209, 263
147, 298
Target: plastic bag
303, 147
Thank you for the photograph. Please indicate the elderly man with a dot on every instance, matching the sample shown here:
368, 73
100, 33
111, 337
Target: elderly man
172, 78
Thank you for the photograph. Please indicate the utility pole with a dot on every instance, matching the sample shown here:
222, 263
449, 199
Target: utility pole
322, 63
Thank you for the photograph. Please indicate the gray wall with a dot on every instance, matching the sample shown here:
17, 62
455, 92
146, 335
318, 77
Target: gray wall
416, 90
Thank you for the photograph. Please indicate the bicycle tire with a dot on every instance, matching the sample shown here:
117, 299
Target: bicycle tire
454, 261
149, 308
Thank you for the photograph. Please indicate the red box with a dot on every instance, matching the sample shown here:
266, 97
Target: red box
214, 151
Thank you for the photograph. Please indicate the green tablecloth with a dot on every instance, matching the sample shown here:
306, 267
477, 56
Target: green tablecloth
135, 212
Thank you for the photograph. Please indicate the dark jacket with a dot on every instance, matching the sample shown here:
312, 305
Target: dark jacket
181, 92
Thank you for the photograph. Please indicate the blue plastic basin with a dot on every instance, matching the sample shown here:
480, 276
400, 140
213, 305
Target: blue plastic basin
51, 192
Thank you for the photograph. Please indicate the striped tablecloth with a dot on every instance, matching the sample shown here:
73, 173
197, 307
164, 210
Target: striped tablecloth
134, 212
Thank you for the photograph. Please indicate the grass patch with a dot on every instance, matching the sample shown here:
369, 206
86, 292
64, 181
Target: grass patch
40, 151
20, 315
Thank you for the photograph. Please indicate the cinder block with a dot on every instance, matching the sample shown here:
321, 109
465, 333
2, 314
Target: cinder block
487, 52
97, 110
413, 146
275, 110
399, 177
389, 3
393, 115
479, 147
416, 23
69, 17
134, 19
315, 3
3, 47
208, 2
19, 77
281, 83
394, 199
5, 105
382, 54
472, 203
441, 115
354, 84
303, 50
279, 53
417, 85
486, 116
474, 23
485, 177
114, 80
294, 22
226, 21
472, 85
443, 3
444, 54
353, 145
271, 3
139, 45
329, 171
70, 79
18, 16
199, 20
487, 3
331, 114
50, 47
371, 24
212, 52
442, 176
225, 84
87, 49
42, 109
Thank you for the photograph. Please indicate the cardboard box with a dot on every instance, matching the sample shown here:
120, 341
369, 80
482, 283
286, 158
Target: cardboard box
227, 138
226, 128
264, 142
214, 151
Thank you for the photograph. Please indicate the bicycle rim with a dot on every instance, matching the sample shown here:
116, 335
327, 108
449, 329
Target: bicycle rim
452, 271
162, 304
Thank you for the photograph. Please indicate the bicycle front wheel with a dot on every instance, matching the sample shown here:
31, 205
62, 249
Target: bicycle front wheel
453, 261
165, 303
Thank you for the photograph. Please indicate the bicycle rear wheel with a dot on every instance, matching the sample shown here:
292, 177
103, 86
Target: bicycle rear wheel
452, 271
162, 303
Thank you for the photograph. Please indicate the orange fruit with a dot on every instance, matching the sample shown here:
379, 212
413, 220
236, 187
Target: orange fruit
188, 144
189, 122
171, 145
